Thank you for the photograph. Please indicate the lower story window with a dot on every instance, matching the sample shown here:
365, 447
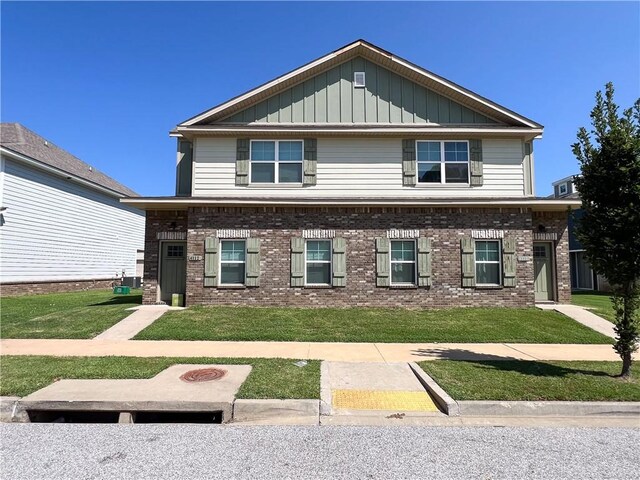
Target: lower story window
318, 262
232, 262
487, 262
403, 262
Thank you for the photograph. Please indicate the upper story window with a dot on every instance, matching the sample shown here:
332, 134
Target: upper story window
403, 262
358, 79
443, 162
562, 189
487, 262
276, 161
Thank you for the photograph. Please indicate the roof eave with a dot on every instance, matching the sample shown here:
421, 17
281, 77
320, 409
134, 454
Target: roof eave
60, 173
175, 203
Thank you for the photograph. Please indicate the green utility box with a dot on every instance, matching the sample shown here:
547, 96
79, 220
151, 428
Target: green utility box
177, 300
122, 290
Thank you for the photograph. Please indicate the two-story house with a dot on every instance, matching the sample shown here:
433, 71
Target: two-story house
583, 277
357, 179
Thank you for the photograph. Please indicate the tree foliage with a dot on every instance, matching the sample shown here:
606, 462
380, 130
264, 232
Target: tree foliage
609, 230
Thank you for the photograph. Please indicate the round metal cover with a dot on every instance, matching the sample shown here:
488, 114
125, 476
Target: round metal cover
203, 375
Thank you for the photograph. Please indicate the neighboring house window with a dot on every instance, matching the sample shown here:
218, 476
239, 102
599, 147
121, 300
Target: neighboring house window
232, 262
443, 162
403, 262
276, 161
487, 262
563, 189
318, 262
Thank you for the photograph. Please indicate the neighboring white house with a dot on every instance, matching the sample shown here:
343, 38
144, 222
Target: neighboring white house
62, 226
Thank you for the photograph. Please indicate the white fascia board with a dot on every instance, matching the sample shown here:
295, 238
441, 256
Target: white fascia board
183, 203
220, 129
57, 172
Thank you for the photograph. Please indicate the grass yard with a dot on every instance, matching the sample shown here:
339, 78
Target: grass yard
534, 381
481, 325
598, 302
64, 315
269, 378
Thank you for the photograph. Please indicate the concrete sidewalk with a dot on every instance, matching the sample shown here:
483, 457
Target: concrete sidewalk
347, 352
130, 326
583, 316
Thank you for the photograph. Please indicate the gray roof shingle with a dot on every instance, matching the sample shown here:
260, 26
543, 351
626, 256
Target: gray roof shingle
18, 138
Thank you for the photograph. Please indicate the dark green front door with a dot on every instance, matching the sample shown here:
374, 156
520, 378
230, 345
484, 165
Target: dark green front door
173, 270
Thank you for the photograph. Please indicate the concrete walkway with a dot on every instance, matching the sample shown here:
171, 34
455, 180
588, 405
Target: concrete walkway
347, 352
130, 326
583, 316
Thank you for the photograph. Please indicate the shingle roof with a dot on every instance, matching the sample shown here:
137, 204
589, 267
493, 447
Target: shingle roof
18, 138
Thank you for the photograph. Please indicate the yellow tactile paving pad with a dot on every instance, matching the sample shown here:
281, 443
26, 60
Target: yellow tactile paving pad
383, 400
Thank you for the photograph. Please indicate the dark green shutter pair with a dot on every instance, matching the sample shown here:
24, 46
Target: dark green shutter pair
338, 267
212, 260
309, 162
467, 248
409, 175
383, 262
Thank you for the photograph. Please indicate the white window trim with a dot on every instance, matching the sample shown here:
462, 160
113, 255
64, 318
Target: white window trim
560, 187
364, 79
499, 262
330, 262
220, 262
276, 162
443, 163
415, 263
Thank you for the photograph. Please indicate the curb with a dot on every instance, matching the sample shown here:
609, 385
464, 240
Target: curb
325, 390
442, 398
12, 411
247, 410
548, 409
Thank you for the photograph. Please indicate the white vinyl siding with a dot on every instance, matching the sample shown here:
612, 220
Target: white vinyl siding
359, 167
55, 229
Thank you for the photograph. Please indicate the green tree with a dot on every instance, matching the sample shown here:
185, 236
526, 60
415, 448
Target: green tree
609, 185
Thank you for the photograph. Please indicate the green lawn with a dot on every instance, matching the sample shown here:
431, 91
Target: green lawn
527, 325
598, 302
534, 381
269, 378
64, 315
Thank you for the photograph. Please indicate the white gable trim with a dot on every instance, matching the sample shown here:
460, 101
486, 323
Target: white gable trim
381, 54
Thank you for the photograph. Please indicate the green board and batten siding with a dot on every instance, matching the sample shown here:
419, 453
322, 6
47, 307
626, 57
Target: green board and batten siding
330, 97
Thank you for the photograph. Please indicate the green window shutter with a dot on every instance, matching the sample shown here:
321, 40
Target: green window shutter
424, 262
467, 247
297, 262
409, 162
509, 262
211, 262
475, 157
242, 161
309, 164
383, 262
339, 247
253, 262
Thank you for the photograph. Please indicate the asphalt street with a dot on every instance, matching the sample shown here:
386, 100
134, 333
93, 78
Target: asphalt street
54, 451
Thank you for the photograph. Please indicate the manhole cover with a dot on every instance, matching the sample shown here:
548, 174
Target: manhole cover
203, 375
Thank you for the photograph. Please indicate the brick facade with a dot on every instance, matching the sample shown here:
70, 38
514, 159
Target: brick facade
26, 288
275, 226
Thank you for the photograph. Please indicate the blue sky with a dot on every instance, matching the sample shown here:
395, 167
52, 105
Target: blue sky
107, 81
